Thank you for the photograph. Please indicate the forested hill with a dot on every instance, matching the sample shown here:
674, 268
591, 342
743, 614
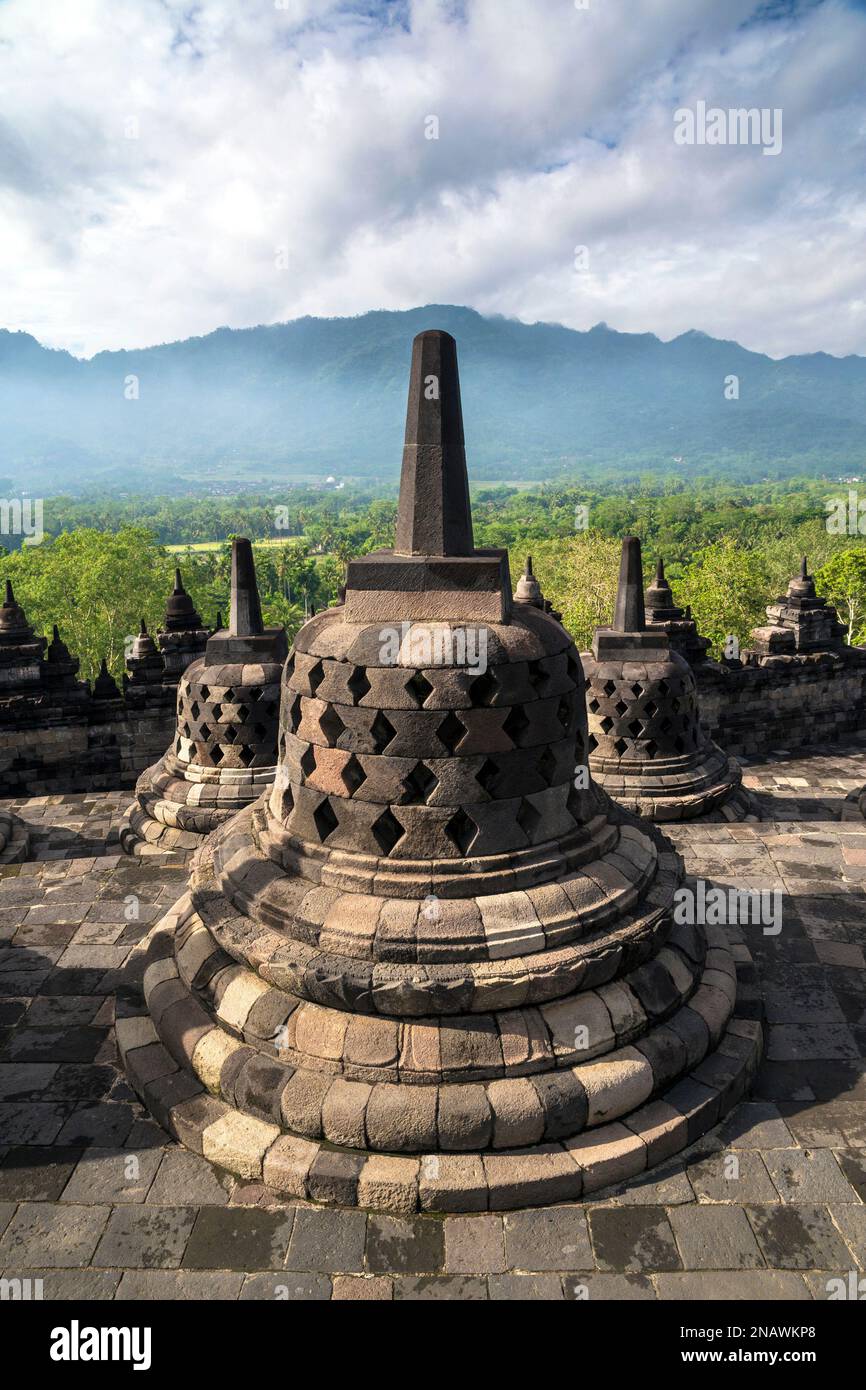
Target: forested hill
299, 401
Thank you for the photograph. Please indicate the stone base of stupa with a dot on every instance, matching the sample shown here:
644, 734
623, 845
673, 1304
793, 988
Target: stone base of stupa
14, 839
706, 784
229, 1038
177, 805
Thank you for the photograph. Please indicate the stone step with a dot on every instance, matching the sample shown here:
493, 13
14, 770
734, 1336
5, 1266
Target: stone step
468, 1048
433, 1182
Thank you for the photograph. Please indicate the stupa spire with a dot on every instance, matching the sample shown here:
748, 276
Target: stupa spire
629, 615
246, 608
433, 516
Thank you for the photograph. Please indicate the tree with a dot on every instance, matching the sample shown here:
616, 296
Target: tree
842, 580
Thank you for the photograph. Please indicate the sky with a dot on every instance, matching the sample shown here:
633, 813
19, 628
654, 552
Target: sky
168, 168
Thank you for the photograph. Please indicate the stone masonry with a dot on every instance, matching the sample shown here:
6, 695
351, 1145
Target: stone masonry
224, 750
426, 971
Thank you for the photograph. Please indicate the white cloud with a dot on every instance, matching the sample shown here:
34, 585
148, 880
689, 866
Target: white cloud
299, 132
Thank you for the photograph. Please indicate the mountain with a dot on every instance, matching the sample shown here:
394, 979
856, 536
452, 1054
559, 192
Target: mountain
296, 402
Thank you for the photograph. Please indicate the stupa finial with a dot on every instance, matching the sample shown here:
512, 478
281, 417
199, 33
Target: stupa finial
246, 608
433, 516
629, 615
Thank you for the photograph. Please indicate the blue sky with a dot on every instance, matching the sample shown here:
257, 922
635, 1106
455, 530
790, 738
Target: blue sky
167, 168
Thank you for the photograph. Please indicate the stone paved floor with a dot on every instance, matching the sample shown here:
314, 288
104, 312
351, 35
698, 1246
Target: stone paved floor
99, 1204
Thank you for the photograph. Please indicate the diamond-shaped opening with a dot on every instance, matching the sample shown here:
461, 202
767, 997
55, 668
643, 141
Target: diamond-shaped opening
606, 724
528, 818
637, 689
516, 724
663, 688
177, 745
288, 801
325, 819
487, 774
620, 746
547, 765
563, 712
295, 714
254, 694
246, 755
203, 690
609, 687
353, 775
593, 706
217, 711
419, 688
382, 732
592, 743
451, 731
538, 677
194, 709
483, 689
229, 733
461, 830
229, 695
289, 671
331, 725
243, 713
651, 748
185, 730
357, 684
204, 732
316, 676
620, 707
271, 707
217, 754
308, 761
635, 728
650, 708
419, 783
387, 830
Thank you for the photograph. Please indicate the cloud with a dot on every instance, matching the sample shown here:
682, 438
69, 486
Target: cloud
166, 168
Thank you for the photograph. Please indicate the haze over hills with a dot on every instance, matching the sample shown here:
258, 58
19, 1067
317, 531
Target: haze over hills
299, 401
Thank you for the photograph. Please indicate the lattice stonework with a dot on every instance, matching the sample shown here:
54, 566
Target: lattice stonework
226, 725
436, 761
644, 718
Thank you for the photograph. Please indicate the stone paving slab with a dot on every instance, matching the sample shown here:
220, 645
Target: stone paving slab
97, 1202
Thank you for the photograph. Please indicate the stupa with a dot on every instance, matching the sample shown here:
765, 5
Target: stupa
647, 746
435, 966
225, 747
676, 622
802, 624
183, 636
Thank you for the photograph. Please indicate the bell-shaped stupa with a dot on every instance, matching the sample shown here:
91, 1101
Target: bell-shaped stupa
435, 967
648, 748
225, 746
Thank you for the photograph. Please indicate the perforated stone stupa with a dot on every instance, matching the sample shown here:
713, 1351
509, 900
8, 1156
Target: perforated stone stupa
426, 970
647, 746
225, 746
